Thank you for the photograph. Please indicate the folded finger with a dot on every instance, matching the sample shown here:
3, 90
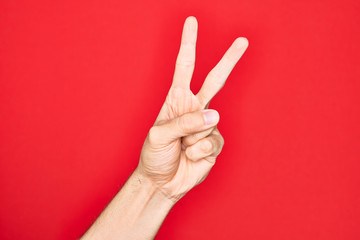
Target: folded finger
209, 146
192, 139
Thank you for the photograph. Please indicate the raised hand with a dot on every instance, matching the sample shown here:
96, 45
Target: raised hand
182, 146
179, 150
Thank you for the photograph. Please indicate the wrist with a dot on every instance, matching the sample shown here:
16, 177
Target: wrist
152, 189
161, 191
136, 212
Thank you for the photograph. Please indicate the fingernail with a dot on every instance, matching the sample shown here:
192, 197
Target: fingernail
211, 116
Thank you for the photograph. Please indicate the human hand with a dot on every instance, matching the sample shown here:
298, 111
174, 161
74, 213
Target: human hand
181, 147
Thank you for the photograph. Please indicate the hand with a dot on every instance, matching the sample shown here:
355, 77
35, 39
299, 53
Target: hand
181, 147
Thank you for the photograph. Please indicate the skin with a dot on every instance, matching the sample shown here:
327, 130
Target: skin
179, 150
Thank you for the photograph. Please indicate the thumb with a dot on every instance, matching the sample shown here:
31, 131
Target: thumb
184, 125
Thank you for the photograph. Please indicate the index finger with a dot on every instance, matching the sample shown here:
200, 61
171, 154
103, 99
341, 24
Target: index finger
216, 78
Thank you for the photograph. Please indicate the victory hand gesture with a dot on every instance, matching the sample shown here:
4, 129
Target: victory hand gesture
181, 147
179, 150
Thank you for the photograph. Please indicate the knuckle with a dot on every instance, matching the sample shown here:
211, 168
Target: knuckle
222, 141
202, 98
214, 76
189, 153
220, 145
186, 63
206, 146
153, 135
185, 123
219, 137
188, 140
211, 159
161, 122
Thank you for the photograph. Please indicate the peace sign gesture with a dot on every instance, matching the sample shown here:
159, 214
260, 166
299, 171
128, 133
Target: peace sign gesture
183, 144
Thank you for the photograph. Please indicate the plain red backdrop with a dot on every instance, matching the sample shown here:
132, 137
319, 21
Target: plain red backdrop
81, 83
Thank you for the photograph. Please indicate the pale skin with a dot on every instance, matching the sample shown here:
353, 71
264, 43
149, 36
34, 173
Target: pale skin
179, 150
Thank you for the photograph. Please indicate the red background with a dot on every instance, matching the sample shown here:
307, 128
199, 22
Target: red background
83, 81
